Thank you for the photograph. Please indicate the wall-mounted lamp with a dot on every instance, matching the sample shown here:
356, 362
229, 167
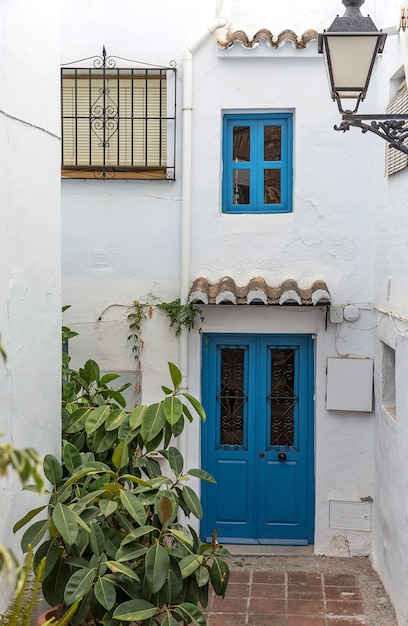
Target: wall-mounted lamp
350, 47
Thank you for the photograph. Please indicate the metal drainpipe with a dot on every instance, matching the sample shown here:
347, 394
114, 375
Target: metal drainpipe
186, 187
186, 182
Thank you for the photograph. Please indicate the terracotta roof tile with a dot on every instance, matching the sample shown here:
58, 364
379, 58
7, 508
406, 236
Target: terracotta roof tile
240, 36
257, 291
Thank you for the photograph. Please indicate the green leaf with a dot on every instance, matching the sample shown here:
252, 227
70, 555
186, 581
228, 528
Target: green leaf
198, 407
76, 421
170, 621
114, 419
118, 397
202, 474
173, 409
219, 576
135, 611
92, 369
202, 576
27, 518
78, 585
136, 417
103, 440
52, 469
130, 551
153, 421
108, 507
191, 613
176, 460
138, 532
166, 390
120, 457
34, 534
176, 376
97, 539
166, 507
71, 456
181, 536
107, 378
65, 522
192, 502
105, 593
157, 562
190, 563
96, 418
134, 507
120, 568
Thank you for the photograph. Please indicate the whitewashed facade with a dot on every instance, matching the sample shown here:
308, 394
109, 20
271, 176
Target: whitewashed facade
144, 240
30, 274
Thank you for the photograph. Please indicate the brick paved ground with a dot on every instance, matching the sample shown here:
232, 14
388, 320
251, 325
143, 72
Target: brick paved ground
292, 598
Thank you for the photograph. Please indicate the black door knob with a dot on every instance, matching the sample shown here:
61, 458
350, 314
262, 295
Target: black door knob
282, 456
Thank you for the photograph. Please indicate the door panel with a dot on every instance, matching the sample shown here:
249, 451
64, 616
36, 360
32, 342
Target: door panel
258, 438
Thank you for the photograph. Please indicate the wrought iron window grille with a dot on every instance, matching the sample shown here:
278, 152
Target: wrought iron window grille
118, 122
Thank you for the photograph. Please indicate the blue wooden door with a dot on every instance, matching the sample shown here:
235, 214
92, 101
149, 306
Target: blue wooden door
258, 439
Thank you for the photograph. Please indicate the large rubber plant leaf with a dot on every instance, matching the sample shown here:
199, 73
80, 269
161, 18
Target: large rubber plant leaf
105, 593
120, 457
96, 539
79, 584
108, 507
96, 418
219, 575
136, 417
190, 563
114, 419
173, 409
71, 456
170, 621
103, 440
66, 523
52, 469
76, 421
54, 584
134, 507
27, 518
202, 474
153, 421
176, 376
34, 534
198, 407
130, 552
138, 532
157, 563
191, 613
192, 501
176, 460
135, 611
166, 507
120, 568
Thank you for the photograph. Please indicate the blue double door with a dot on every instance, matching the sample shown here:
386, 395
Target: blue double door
258, 440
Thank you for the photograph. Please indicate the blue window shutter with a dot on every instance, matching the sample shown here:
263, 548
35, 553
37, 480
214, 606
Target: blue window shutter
257, 169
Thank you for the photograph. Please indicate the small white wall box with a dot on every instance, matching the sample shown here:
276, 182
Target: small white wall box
349, 384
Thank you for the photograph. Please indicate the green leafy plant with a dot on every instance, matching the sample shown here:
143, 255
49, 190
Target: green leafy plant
181, 315
113, 540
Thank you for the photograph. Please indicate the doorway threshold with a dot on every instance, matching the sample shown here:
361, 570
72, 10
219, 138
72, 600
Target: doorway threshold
265, 550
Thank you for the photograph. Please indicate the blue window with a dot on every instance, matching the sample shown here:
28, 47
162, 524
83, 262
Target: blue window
257, 163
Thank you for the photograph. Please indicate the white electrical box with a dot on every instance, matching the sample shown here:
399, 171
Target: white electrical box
349, 384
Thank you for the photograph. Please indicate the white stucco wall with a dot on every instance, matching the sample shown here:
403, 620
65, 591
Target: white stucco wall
390, 544
30, 284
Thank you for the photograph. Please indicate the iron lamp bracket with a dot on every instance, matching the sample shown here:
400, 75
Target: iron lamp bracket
392, 128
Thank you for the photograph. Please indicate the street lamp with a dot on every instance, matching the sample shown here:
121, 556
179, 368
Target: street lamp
350, 47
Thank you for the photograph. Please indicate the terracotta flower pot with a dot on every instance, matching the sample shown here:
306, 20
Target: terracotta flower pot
46, 615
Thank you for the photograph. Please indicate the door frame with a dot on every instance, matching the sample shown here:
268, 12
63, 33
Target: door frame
309, 364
